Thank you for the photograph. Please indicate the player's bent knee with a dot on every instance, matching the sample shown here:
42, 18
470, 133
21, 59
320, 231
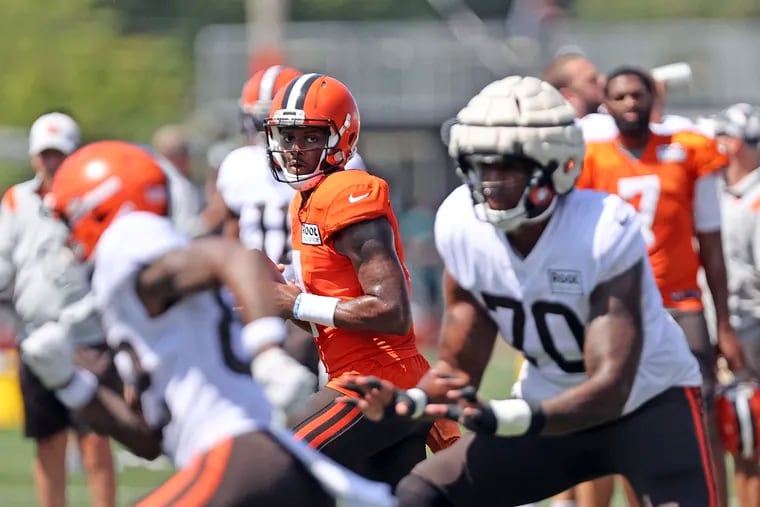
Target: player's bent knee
414, 491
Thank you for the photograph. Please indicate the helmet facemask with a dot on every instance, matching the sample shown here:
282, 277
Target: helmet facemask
516, 123
282, 154
527, 196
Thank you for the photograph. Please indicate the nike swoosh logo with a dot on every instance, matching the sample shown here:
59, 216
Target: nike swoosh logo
352, 199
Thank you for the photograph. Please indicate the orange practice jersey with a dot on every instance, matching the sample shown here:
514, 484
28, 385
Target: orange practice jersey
661, 185
342, 199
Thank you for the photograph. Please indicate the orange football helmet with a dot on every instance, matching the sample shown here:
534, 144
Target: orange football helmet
97, 183
738, 412
258, 92
313, 100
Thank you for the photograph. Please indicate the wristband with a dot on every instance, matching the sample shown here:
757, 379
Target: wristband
263, 332
516, 417
80, 389
416, 398
316, 309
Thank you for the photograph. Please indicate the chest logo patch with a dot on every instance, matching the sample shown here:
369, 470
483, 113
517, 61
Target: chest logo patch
310, 235
671, 153
565, 281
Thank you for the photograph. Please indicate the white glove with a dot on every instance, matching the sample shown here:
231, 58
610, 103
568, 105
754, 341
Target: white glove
50, 355
287, 383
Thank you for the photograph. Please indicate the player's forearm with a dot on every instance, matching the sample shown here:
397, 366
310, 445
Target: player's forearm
371, 313
467, 340
711, 256
108, 413
612, 354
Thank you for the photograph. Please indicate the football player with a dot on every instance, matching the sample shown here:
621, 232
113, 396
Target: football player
608, 383
672, 180
351, 287
181, 348
256, 205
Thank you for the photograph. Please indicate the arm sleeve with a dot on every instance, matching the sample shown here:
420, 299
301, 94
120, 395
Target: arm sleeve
225, 183
7, 245
706, 204
707, 157
756, 240
618, 242
127, 246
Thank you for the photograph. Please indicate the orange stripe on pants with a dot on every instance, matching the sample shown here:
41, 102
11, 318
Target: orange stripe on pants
334, 429
694, 397
200, 481
302, 432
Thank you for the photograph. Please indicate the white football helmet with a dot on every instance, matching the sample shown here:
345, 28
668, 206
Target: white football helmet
524, 118
741, 121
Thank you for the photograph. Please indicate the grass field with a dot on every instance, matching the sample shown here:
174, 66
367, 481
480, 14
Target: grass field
16, 489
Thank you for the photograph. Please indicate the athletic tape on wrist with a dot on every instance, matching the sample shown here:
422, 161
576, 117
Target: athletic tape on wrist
263, 332
316, 309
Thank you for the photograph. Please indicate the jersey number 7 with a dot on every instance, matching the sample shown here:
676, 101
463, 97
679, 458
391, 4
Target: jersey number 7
647, 187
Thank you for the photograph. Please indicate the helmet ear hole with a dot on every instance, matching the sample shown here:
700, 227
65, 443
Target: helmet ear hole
351, 138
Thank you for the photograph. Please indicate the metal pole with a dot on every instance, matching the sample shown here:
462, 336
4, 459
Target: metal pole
265, 20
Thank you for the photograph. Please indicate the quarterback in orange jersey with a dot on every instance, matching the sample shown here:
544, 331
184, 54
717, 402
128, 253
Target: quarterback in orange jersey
671, 180
351, 287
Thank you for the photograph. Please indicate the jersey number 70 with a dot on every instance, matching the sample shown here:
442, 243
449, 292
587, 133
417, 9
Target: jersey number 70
539, 310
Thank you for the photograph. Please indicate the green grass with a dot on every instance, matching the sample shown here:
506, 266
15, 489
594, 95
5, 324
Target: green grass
16, 485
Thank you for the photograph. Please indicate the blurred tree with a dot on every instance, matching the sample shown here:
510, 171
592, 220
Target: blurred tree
182, 17
645, 9
188, 16
386, 9
69, 55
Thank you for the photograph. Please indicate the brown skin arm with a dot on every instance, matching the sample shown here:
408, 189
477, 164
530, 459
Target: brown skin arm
468, 336
385, 305
612, 350
205, 264
711, 257
108, 413
209, 263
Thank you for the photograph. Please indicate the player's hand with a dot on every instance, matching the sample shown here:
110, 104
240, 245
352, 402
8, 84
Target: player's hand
731, 349
441, 378
466, 408
507, 418
284, 296
378, 399
287, 383
50, 355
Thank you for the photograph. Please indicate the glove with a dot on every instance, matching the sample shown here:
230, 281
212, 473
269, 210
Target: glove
505, 418
287, 383
50, 355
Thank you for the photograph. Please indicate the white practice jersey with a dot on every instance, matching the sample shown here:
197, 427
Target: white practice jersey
541, 303
261, 202
201, 390
600, 127
39, 277
741, 248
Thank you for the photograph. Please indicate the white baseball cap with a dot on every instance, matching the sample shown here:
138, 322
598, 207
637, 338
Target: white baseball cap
54, 131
